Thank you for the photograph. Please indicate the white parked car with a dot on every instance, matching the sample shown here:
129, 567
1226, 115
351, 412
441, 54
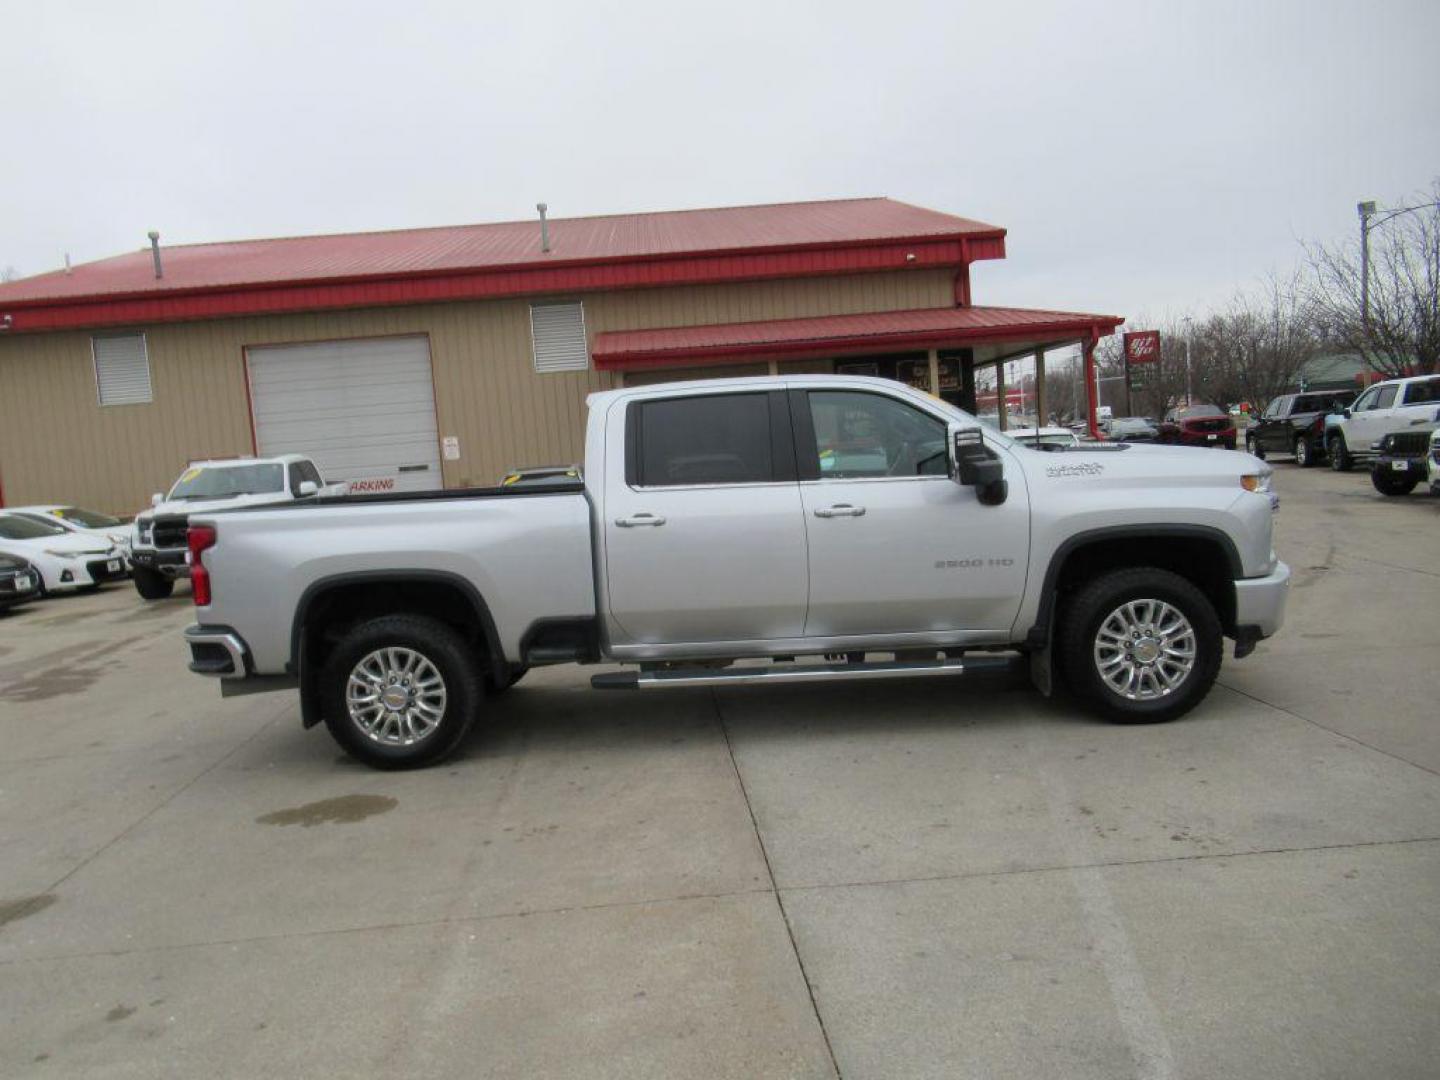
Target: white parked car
65, 559
1390, 406
157, 541
77, 519
1433, 465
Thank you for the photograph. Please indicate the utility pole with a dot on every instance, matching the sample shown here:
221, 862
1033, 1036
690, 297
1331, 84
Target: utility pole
1189, 333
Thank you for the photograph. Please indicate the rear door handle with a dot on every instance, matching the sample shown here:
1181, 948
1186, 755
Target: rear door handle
840, 510
642, 518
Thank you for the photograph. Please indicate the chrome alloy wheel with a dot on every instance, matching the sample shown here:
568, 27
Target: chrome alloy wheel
1145, 649
395, 696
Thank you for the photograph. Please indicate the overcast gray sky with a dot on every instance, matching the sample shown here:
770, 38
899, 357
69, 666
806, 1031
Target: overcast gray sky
1146, 157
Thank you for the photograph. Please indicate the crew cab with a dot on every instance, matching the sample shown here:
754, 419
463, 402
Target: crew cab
1295, 424
1353, 436
157, 539
748, 531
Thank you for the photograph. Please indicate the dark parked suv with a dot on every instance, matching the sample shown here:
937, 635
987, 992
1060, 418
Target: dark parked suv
1295, 424
19, 581
1198, 425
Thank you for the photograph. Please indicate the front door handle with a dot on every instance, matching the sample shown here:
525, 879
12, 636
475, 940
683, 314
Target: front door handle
642, 518
840, 510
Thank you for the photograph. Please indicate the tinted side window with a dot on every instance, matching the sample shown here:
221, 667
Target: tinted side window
712, 439
1365, 402
308, 471
1386, 397
1423, 393
858, 434
295, 478
1276, 408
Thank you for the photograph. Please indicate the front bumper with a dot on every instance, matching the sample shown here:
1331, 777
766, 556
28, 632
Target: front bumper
1412, 468
19, 587
1260, 603
169, 562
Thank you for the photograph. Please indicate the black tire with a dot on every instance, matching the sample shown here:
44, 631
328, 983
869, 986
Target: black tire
1094, 603
1252, 446
1387, 483
1304, 453
494, 688
1340, 459
451, 656
150, 585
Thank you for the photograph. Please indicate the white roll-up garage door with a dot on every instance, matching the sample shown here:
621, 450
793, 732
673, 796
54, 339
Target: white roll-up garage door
364, 410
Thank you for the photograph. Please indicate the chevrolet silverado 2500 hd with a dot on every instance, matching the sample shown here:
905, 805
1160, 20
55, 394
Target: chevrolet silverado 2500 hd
758, 520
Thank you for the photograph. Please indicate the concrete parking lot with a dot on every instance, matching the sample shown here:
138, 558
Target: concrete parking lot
926, 880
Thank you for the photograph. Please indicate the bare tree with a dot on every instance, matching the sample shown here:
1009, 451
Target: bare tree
1254, 349
1404, 324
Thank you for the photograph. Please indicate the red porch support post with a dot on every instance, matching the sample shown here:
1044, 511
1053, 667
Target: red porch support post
1088, 347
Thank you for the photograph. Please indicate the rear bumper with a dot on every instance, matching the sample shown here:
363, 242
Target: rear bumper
217, 651
1260, 603
167, 561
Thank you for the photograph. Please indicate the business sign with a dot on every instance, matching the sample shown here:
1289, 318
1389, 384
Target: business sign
1142, 357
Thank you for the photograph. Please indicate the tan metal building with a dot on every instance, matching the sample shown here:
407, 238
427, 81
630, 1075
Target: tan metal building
443, 357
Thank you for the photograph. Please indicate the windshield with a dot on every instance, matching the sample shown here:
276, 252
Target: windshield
15, 527
86, 519
228, 481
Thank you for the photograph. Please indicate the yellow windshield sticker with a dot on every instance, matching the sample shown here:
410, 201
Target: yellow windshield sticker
188, 475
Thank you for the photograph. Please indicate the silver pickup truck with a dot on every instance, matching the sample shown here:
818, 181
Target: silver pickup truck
748, 530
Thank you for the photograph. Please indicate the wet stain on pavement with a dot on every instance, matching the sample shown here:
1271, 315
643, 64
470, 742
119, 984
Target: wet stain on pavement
119, 1012
344, 810
60, 681
13, 910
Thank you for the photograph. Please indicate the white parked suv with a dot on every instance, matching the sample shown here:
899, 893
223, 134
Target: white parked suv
157, 540
1394, 405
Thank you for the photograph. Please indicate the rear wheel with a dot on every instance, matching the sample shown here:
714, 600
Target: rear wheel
1140, 646
1304, 456
1392, 483
150, 585
1340, 459
401, 691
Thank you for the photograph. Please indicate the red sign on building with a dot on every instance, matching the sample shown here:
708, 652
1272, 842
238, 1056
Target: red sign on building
1142, 349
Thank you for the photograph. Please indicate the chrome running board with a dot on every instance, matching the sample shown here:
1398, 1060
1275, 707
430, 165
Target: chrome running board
751, 676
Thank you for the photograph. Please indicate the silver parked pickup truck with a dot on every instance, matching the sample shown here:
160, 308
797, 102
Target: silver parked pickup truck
852, 522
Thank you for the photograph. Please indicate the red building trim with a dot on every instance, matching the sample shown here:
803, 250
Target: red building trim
184, 305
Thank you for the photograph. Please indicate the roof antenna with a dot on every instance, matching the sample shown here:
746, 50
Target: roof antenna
544, 227
155, 253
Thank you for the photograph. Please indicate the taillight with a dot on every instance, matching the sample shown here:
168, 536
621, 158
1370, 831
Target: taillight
198, 540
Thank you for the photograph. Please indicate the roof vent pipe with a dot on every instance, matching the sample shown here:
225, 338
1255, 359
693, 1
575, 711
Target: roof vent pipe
155, 253
544, 227
67, 264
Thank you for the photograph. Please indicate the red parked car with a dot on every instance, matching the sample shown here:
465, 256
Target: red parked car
1198, 425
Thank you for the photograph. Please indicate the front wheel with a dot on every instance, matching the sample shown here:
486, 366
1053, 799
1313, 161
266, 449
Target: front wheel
1140, 646
1252, 445
150, 585
1340, 459
1391, 483
401, 691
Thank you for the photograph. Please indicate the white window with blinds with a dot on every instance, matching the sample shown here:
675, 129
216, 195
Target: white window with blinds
557, 335
122, 369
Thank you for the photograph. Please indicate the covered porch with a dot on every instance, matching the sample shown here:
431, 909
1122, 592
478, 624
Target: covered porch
938, 350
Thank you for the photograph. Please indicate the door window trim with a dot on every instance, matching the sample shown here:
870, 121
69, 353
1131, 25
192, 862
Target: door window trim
807, 450
782, 445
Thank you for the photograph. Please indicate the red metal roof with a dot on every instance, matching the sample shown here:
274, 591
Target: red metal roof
836, 334
506, 245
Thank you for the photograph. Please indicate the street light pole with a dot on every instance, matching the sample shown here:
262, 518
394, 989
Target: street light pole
1189, 333
1366, 210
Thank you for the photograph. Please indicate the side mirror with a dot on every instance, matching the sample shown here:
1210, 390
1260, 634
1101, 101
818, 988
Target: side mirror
308, 488
972, 464
1346, 414
157, 499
